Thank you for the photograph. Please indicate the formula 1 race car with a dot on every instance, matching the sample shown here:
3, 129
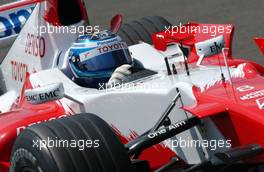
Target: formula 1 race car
192, 107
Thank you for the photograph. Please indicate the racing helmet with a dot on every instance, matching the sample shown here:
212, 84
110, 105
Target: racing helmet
94, 57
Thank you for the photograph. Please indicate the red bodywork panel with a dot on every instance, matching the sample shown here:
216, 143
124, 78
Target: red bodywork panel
236, 109
23, 115
52, 14
260, 43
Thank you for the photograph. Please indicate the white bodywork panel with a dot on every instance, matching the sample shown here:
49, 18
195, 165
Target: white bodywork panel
7, 100
154, 59
141, 105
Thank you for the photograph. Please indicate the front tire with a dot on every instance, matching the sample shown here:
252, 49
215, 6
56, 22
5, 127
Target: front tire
105, 152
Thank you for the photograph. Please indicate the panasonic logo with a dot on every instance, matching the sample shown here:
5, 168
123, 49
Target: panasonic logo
12, 23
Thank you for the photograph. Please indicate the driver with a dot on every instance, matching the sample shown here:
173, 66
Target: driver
101, 58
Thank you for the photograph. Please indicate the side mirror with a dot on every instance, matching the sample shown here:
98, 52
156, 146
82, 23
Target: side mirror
116, 23
45, 94
211, 46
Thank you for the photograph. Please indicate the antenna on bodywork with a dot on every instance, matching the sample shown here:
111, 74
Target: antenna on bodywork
229, 73
185, 59
221, 69
227, 67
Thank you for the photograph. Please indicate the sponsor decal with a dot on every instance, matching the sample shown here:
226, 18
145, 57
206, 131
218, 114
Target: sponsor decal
102, 50
253, 95
165, 130
35, 45
45, 94
112, 47
19, 71
210, 46
21, 128
245, 88
13, 22
216, 48
260, 103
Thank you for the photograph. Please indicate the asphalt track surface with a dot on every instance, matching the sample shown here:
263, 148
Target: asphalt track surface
246, 15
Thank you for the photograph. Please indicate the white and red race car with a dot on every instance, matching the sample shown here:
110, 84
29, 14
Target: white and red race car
194, 107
